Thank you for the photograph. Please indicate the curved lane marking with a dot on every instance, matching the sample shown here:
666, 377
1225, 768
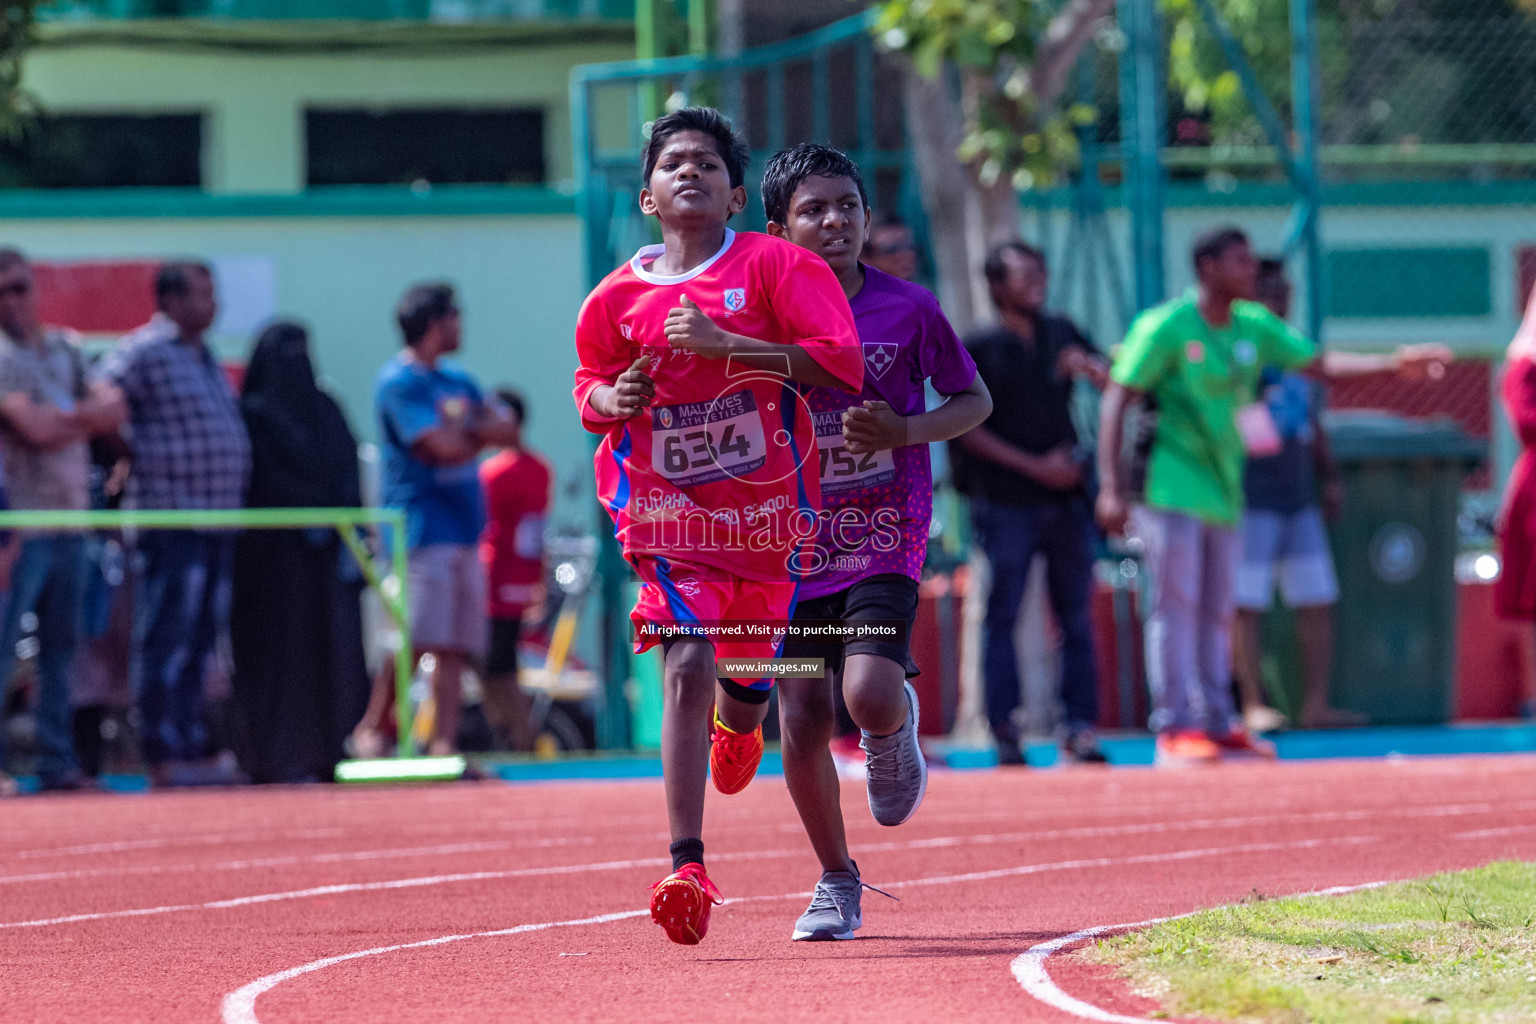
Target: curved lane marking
239, 1007
1029, 967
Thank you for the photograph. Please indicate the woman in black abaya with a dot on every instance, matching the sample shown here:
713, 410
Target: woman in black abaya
301, 681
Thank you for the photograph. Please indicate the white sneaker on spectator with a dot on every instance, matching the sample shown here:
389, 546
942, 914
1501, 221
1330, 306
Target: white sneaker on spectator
1263, 718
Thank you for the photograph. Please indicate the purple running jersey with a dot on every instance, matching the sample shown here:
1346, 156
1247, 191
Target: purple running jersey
876, 507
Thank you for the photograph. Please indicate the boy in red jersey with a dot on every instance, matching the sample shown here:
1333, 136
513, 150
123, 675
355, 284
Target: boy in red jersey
877, 497
691, 359
516, 483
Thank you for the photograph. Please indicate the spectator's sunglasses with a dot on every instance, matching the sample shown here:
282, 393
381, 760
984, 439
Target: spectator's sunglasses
15, 288
894, 248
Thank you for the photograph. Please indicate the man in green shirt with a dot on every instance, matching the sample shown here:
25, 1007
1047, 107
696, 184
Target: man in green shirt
1199, 358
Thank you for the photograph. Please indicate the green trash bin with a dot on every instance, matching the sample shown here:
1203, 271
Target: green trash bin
1395, 549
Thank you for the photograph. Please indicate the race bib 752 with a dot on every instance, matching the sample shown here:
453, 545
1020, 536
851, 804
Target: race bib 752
842, 470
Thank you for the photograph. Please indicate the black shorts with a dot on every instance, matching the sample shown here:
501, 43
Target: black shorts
890, 596
501, 659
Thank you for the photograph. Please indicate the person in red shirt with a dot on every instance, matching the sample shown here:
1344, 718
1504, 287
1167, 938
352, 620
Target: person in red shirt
516, 483
1514, 592
691, 360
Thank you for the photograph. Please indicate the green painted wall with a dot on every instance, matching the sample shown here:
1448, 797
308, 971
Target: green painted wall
255, 101
1417, 282
520, 280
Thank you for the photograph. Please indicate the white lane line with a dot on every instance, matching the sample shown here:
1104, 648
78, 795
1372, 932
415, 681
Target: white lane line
518, 821
936, 842
333, 890
567, 869
620, 865
1489, 833
316, 858
128, 845
239, 1007
1030, 972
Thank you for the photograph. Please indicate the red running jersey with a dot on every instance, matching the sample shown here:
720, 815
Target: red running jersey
723, 466
512, 547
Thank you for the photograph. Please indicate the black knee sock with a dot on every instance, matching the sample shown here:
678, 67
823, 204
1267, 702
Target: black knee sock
687, 851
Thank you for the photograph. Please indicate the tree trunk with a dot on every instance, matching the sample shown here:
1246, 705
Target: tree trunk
963, 219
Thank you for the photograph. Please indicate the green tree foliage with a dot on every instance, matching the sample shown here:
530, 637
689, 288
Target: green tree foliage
1013, 57
17, 27
1394, 72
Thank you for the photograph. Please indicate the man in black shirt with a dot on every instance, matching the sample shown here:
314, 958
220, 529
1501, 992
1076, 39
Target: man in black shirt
1026, 477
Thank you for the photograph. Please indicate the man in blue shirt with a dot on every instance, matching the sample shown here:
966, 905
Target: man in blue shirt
433, 424
1285, 540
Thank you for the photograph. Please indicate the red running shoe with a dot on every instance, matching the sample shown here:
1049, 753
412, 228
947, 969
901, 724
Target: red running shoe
1185, 747
733, 757
681, 902
1244, 743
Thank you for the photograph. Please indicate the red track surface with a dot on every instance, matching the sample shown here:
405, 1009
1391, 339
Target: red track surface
1039, 854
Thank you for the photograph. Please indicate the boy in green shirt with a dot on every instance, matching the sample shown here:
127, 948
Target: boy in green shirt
1199, 357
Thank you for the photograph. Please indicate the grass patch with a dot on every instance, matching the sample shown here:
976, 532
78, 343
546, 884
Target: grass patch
1456, 948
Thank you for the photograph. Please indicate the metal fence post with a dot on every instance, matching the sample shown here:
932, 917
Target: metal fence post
1142, 126
1306, 92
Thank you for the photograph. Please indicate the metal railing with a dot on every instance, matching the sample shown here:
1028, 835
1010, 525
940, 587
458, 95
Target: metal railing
392, 586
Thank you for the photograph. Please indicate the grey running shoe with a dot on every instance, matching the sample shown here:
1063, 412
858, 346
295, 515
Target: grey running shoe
898, 774
834, 912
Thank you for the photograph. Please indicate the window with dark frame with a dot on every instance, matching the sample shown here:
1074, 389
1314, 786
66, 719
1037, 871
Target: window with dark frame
105, 151
440, 146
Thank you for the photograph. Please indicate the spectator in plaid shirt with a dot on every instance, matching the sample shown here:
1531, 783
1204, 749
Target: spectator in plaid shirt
190, 451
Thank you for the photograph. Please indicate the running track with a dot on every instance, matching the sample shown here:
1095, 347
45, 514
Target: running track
236, 907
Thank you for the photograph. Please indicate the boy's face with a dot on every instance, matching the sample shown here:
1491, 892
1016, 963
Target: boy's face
1235, 272
828, 217
18, 313
892, 249
1024, 282
1275, 293
690, 183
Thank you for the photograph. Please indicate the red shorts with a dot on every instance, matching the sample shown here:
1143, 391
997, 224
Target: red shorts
674, 593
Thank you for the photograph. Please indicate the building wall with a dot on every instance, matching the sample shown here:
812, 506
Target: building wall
520, 279
254, 101
339, 260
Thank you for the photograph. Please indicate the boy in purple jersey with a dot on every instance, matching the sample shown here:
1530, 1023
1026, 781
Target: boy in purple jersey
877, 500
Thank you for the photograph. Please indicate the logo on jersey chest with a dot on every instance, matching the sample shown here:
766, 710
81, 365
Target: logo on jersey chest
735, 300
879, 356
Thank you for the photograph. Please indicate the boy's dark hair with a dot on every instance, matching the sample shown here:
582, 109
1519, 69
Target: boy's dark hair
1213, 245
732, 147
790, 167
996, 266
10, 257
175, 278
1272, 272
514, 401
422, 306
